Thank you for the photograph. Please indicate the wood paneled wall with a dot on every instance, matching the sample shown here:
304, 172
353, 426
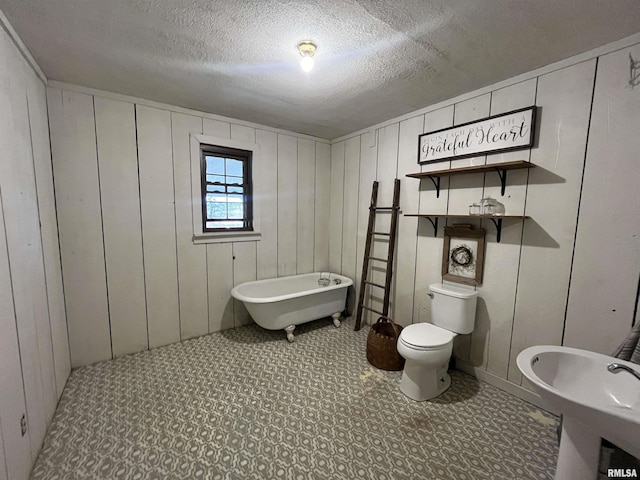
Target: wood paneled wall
567, 276
124, 185
34, 351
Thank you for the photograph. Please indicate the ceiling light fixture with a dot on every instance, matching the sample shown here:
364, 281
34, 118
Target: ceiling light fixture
307, 50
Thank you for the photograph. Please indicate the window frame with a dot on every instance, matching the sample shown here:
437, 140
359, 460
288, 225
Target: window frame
199, 237
246, 157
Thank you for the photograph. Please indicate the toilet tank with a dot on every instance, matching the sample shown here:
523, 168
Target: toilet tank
453, 308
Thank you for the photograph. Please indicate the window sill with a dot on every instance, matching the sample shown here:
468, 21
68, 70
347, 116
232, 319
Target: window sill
226, 237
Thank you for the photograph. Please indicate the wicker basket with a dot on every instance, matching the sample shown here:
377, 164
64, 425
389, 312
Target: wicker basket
382, 350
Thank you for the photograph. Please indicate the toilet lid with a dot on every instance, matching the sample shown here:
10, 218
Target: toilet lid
426, 335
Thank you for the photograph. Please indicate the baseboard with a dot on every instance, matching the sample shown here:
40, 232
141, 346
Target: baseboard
502, 384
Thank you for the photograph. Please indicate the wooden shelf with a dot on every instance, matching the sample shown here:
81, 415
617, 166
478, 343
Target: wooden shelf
496, 219
500, 168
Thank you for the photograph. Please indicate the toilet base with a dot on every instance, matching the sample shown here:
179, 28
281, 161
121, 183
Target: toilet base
420, 383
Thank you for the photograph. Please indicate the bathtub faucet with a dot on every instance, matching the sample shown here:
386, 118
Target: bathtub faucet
324, 281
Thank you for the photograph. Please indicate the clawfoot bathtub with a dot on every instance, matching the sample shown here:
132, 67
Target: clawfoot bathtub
284, 302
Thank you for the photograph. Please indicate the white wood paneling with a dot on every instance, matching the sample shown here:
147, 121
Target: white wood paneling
12, 403
49, 232
404, 274
350, 198
429, 248
604, 280
506, 99
466, 189
75, 168
120, 198
28, 240
265, 166
35, 290
158, 224
19, 199
216, 128
337, 195
496, 296
220, 256
368, 168
388, 138
468, 111
322, 207
287, 204
178, 274
430, 202
244, 270
244, 254
192, 259
306, 205
242, 132
387, 168
552, 202
288, 243
564, 100
3, 463
220, 275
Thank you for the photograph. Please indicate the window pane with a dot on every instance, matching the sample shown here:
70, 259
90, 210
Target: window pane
236, 210
217, 211
234, 180
216, 207
227, 224
235, 189
216, 178
216, 197
215, 165
234, 167
235, 206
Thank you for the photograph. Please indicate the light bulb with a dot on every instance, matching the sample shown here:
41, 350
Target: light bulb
306, 63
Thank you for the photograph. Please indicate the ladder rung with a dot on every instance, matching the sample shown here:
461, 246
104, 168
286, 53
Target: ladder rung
382, 208
381, 233
376, 258
372, 310
374, 284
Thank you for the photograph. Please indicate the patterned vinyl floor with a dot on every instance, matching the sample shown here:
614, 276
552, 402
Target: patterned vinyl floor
245, 404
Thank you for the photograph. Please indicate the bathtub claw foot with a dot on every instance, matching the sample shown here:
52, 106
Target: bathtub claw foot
289, 331
336, 319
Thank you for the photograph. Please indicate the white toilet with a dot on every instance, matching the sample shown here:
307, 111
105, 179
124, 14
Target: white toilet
427, 347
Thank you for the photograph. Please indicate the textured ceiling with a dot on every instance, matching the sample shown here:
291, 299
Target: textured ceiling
376, 59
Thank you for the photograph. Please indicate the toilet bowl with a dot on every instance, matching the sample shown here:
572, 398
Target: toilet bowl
427, 347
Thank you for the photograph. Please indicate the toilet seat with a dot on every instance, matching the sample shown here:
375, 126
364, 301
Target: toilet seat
426, 336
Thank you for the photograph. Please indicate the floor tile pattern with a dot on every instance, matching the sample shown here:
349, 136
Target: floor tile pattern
246, 404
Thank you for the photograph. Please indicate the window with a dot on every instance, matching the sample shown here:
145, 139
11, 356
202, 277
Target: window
226, 189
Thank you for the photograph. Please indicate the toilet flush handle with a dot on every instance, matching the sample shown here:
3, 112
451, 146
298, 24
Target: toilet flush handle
430, 295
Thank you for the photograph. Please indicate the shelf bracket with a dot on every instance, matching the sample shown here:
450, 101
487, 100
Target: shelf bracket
502, 173
436, 183
498, 224
434, 224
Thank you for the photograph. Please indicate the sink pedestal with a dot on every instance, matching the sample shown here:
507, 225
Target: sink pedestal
579, 454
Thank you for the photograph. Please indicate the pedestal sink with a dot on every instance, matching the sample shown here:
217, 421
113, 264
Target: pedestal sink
595, 403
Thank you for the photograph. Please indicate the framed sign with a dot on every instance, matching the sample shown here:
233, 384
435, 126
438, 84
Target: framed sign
500, 133
463, 254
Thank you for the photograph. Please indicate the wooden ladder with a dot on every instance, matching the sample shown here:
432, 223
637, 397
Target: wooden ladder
373, 210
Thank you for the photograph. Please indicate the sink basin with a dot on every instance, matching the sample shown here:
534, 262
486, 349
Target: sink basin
595, 402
